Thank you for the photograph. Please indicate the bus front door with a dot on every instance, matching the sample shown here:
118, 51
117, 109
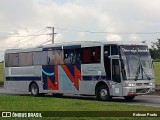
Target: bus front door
116, 77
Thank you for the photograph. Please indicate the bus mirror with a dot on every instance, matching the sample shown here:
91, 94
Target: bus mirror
114, 56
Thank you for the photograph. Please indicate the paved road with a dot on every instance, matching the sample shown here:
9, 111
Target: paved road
148, 100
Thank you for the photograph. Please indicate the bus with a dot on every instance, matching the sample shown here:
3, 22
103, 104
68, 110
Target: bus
100, 69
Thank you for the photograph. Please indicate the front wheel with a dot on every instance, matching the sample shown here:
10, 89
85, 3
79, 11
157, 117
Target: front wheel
34, 89
103, 93
129, 98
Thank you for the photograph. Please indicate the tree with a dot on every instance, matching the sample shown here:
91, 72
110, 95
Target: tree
155, 50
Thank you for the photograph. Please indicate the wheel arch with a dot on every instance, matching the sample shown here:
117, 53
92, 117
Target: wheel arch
98, 85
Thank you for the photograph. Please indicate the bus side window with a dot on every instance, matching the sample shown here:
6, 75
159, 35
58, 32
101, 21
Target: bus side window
40, 58
77, 59
50, 58
25, 59
90, 55
86, 55
58, 57
96, 55
13, 60
69, 56
55, 57
72, 56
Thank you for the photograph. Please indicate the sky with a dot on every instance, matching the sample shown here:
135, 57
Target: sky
19, 18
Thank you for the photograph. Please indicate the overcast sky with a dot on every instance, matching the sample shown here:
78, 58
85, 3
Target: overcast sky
25, 17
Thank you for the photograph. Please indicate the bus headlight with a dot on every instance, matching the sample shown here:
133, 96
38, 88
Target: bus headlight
151, 83
129, 85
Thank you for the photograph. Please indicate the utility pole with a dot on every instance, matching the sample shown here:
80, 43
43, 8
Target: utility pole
53, 34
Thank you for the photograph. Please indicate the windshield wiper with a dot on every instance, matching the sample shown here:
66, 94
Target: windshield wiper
140, 67
143, 71
137, 72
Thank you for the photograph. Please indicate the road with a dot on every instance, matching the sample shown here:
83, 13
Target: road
147, 100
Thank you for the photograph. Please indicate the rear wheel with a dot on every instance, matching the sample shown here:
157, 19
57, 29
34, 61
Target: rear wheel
34, 89
129, 98
103, 93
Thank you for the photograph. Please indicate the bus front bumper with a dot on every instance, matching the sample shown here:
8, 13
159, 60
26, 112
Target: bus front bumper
133, 91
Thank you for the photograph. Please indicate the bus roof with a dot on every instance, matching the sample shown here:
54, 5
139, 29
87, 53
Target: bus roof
82, 43
95, 43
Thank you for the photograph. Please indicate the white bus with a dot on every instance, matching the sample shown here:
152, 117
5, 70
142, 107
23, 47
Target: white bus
101, 69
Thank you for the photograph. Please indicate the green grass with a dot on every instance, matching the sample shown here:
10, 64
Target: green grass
1, 72
48, 103
157, 72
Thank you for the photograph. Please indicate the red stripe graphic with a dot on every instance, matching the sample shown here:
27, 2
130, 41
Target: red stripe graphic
75, 77
54, 86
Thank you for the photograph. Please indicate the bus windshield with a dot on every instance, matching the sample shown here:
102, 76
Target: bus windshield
136, 61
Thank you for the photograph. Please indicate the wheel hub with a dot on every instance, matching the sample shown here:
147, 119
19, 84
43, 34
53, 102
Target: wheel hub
34, 90
104, 92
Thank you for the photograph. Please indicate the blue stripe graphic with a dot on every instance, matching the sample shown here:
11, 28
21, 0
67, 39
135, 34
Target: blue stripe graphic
48, 74
27, 78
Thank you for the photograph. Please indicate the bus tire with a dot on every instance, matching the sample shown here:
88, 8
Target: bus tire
129, 98
34, 89
103, 93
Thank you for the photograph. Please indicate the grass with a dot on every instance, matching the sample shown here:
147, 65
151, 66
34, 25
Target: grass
48, 103
157, 72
